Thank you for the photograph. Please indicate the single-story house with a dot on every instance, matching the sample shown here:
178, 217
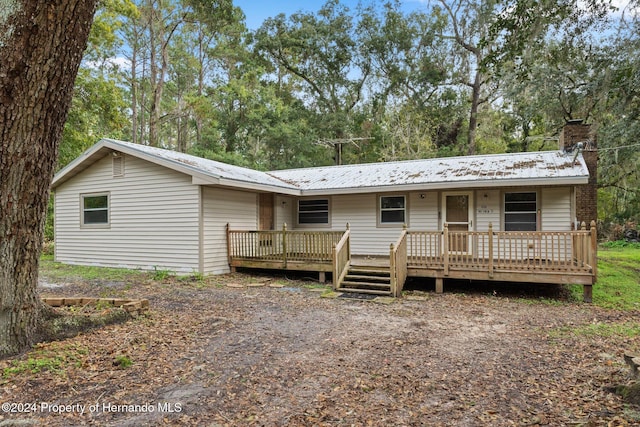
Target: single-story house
513, 217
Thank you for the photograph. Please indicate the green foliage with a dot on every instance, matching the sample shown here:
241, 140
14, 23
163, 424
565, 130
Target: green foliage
123, 361
54, 358
322, 59
160, 274
97, 111
619, 244
399, 82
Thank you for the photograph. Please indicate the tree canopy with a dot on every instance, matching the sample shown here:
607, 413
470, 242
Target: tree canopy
372, 83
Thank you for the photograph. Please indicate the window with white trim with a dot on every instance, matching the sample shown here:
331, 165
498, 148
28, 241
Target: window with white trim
520, 211
95, 209
313, 211
393, 209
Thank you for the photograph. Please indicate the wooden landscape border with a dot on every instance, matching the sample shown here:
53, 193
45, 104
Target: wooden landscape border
129, 305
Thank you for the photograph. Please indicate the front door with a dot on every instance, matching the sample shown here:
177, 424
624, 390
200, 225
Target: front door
265, 214
458, 216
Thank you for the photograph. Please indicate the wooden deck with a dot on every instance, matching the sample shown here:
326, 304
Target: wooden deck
529, 257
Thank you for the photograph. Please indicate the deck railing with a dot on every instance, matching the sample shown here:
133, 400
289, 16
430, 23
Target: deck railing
282, 245
398, 264
551, 251
341, 258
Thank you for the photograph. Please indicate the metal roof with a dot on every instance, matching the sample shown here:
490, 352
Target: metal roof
539, 168
204, 170
210, 167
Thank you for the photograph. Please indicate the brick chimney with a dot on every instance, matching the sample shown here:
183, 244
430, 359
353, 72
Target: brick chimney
573, 133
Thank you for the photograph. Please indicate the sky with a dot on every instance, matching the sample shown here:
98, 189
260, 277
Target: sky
257, 11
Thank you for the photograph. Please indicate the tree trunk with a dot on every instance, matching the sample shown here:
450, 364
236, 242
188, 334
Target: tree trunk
41, 45
134, 93
154, 109
473, 114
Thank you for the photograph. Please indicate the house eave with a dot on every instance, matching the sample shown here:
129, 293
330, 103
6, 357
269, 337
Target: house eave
451, 185
247, 186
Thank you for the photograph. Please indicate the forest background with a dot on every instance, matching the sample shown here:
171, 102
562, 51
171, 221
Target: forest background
370, 83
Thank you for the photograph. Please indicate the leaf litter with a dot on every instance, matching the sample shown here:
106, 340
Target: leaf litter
208, 354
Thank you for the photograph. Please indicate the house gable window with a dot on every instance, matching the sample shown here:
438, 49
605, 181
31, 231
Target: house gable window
313, 211
520, 211
95, 209
393, 209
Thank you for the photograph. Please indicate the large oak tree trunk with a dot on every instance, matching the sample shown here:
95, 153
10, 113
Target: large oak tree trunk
41, 46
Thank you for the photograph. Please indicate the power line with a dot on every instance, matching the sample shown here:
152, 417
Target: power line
617, 148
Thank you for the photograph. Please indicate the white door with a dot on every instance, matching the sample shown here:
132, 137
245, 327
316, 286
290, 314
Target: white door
458, 215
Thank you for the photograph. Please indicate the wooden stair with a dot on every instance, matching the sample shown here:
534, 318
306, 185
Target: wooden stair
367, 280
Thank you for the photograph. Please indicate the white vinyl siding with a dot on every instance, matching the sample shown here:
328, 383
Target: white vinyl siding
361, 212
221, 206
487, 210
153, 218
555, 207
423, 211
284, 212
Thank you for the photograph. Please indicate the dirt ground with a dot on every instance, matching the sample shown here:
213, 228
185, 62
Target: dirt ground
243, 350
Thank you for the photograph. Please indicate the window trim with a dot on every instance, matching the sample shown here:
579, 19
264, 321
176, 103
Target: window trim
405, 209
536, 212
83, 210
317, 224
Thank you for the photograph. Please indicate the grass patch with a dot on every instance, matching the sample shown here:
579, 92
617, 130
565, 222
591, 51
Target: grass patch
123, 361
608, 331
618, 285
57, 271
54, 357
160, 275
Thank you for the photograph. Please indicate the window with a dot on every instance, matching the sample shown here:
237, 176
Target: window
392, 209
95, 209
520, 211
313, 211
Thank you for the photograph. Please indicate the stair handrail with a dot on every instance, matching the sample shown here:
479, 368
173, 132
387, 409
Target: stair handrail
341, 255
398, 263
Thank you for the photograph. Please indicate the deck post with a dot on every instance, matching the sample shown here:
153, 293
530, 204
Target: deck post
587, 295
334, 260
445, 245
322, 277
284, 244
439, 285
349, 242
490, 250
584, 242
392, 270
228, 244
594, 250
